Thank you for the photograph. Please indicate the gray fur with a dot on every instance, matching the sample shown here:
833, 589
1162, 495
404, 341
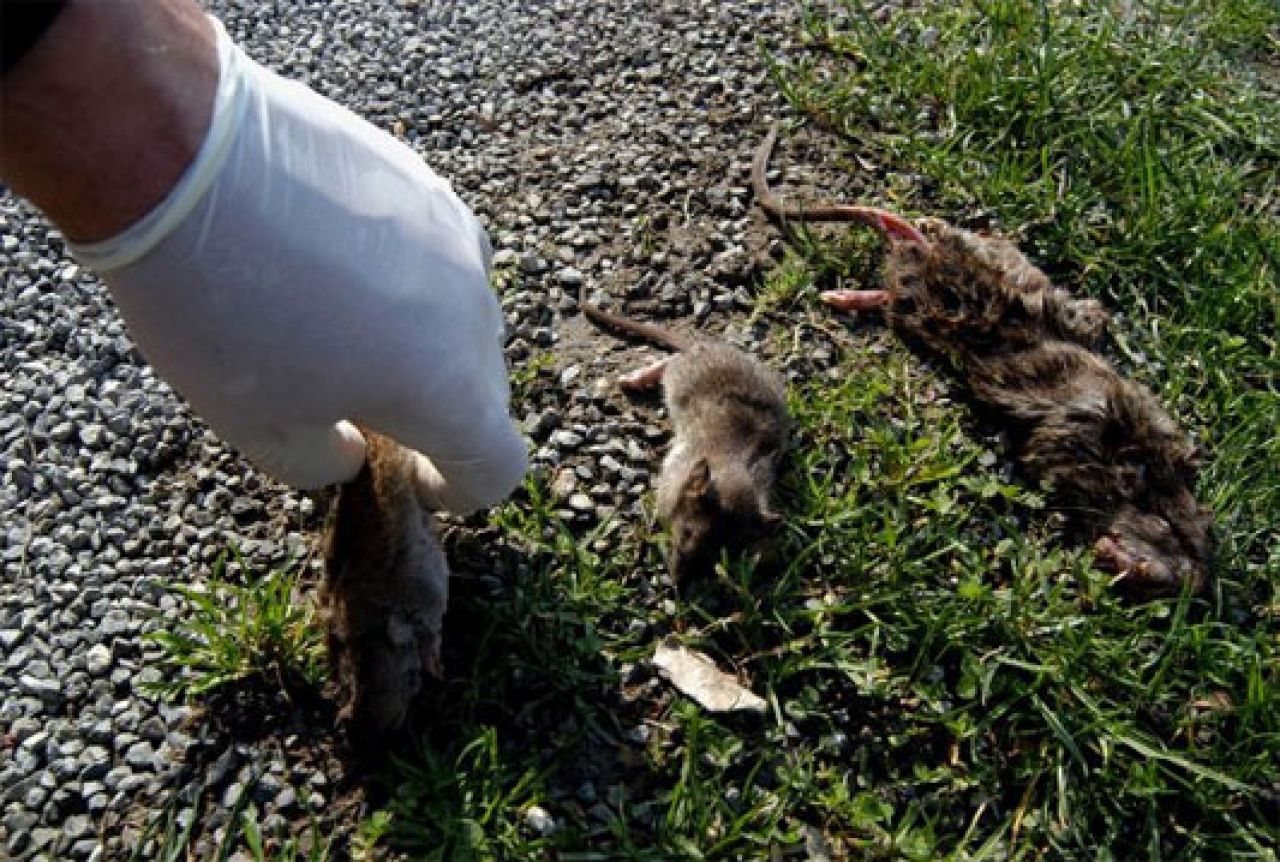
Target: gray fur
730, 424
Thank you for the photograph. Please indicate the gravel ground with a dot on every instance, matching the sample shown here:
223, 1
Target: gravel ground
604, 144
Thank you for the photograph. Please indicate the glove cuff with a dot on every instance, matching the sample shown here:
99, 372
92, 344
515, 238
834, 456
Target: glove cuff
143, 235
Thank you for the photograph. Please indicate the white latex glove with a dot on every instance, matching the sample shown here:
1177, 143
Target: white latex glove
309, 269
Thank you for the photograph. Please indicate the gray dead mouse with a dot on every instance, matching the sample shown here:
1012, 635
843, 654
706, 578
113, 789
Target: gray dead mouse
385, 592
729, 421
1117, 461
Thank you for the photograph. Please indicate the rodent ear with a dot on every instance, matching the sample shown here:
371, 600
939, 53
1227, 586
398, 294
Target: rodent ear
698, 483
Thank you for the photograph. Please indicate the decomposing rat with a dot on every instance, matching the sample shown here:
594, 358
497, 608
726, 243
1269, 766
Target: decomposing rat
385, 591
1116, 459
729, 420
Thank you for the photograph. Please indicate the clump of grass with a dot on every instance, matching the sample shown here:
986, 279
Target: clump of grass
526, 375
262, 629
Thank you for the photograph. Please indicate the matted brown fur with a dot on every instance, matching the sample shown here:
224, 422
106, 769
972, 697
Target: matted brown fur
1116, 459
1118, 462
979, 294
385, 592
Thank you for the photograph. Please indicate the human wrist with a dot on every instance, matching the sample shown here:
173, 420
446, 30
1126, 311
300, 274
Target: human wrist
101, 117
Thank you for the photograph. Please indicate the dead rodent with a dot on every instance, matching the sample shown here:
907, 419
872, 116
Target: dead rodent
385, 592
1119, 464
729, 422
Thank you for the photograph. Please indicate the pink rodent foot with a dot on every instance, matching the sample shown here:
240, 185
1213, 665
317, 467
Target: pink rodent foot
855, 300
644, 378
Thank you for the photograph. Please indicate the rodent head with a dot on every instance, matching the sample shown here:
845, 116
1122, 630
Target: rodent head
716, 508
1155, 551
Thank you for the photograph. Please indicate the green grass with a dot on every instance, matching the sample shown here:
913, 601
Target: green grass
262, 630
948, 677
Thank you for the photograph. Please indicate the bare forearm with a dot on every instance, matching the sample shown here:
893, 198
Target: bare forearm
101, 117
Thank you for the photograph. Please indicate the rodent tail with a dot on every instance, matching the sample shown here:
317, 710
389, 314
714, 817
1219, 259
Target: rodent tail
648, 331
890, 225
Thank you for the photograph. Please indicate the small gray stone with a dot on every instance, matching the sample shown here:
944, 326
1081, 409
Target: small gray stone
565, 439
637, 735
76, 827
115, 777
538, 426
92, 435
17, 820
35, 797
65, 769
222, 768
152, 729
97, 661
28, 759
531, 264
95, 762
48, 690
539, 820
18, 839
23, 727
267, 789
141, 756
119, 423
101, 732
116, 622
45, 838
96, 804
231, 796
87, 849
286, 799
132, 784
569, 277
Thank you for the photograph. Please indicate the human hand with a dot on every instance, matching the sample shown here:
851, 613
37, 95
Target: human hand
307, 272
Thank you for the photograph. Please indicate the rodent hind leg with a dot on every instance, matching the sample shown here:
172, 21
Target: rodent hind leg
645, 378
855, 300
